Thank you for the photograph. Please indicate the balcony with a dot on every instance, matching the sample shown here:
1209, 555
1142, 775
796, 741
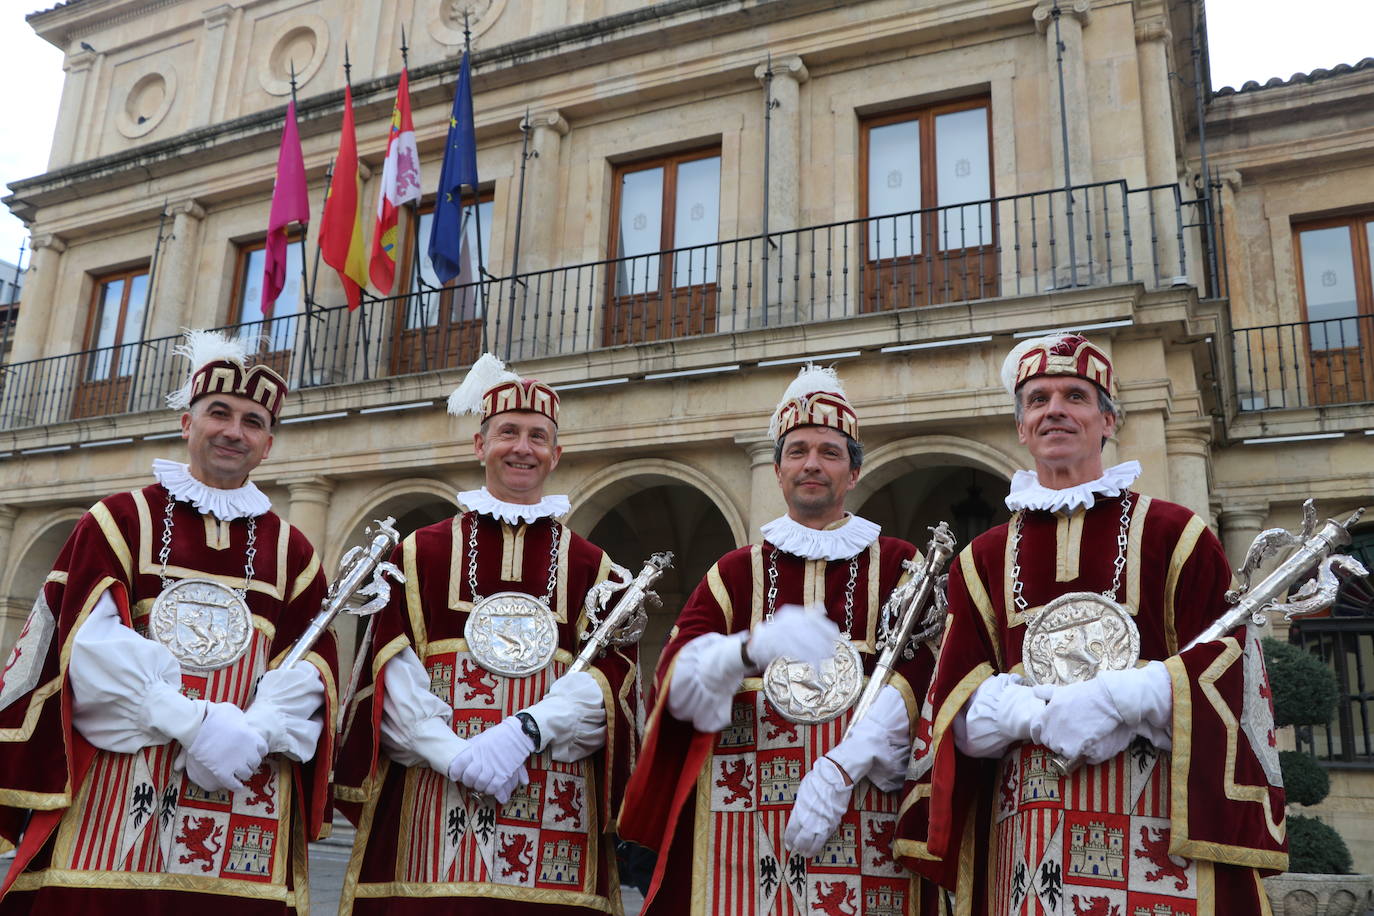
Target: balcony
1097, 235
1304, 364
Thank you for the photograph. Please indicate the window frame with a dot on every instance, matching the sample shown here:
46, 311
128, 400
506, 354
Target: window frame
93, 312
1325, 386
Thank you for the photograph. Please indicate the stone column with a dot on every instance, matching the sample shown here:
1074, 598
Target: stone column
69, 112
15, 613
543, 223
309, 509
1239, 525
171, 304
36, 305
784, 180
1071, 16
1157, 126
211, 64
765, 496
1189, 447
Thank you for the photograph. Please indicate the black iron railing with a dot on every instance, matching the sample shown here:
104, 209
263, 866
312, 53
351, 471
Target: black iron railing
1348, 647
1006, 246
1303, 364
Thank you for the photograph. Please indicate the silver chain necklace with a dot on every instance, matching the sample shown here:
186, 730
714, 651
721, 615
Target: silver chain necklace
166, 552
848, 590
1122, 541
553, 562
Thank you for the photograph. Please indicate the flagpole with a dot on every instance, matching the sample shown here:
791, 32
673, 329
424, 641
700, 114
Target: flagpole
519, 219
476, 196
767, 138
147, 308
305, 275
416, 287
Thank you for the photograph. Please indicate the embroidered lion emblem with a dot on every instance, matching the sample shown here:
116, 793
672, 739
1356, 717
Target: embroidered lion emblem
260, 785
198, 839
832, 897
778, 726
474, 681
565, 798
518, 854
735, 778
1097, 906
880, 841
1156, 852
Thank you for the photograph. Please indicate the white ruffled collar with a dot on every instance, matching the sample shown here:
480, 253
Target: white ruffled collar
226, 505
483, 502
1027, 492
841, 542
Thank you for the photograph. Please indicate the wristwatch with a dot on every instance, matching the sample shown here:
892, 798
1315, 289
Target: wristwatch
530, 728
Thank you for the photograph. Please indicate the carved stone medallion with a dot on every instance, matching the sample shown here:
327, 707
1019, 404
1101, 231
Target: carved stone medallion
1076, 637
511, 634
800, 695
205, 624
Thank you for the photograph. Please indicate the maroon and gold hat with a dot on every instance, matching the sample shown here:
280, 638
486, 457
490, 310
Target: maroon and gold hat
491, 388
815, 398
1062, 353
218, 366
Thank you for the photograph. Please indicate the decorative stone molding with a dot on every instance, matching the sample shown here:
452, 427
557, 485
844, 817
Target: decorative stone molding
549, 120
759, 448
217, 17
303, 41
1152, 30
1044, 13
79, 61
48, 240
189, 208
446, 26
791, 66
148, 100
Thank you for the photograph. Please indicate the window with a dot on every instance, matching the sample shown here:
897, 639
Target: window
440, 326
276, 332
928, 231
114, 330
665, 221
1336, 260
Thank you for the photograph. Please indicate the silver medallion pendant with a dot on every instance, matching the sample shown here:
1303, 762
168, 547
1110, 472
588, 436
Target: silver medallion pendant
1077, 636
511, 634
205, 624
800, 696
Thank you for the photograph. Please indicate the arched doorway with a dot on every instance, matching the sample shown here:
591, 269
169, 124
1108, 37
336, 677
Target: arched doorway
30, 572
968, 498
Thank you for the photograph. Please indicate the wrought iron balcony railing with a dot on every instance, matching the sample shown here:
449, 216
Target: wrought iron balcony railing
1099, 235
1304, 364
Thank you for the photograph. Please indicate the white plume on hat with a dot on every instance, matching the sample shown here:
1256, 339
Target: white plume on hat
808, 381
201, 347
1013, 360
486, 373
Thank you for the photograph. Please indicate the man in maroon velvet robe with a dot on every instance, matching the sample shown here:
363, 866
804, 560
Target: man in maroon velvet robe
467, 784
160, 771
750, 812
1175, 803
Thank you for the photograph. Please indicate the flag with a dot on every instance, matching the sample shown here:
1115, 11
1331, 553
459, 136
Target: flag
341, 227
290, 203
446, 233
400, 185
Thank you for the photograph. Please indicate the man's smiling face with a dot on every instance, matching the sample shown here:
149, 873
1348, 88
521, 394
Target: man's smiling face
1063, 426
519, 448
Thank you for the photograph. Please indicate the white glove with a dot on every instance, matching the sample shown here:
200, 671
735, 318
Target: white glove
503, 792
571, 717
802, 634
283, 710
1003, 711
821, 801
487, 763
1095, 720
227, 750
878, 745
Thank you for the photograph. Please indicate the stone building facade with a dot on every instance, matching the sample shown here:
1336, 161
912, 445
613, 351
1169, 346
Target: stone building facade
680, 203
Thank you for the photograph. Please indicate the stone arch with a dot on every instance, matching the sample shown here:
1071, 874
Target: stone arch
911, 484
600, 492
633, 508
29, 571
406, 498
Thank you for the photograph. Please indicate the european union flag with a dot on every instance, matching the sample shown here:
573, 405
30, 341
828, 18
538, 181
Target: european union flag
459, 169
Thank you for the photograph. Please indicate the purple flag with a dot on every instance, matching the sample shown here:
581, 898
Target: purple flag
290, 203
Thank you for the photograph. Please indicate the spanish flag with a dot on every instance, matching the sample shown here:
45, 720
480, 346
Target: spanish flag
341, 229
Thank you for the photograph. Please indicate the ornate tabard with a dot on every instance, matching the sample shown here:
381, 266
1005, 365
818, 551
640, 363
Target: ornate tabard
747, 793
1077, 636
511, 634
206, 625
801, 695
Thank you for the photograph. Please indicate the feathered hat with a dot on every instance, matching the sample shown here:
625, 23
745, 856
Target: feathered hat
491, 388
815, 398
219, 364
1058, 353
